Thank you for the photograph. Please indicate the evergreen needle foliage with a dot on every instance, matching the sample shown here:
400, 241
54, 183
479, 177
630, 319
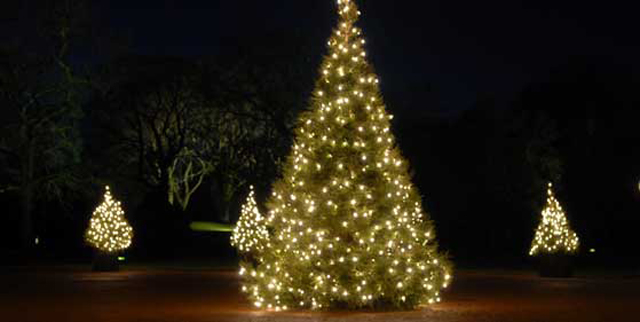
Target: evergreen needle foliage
109, 231
250, 234
347, 225
554, 235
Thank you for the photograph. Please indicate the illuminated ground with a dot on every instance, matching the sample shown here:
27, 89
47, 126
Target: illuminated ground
155, 295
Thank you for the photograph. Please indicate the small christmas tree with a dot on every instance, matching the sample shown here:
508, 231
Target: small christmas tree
553, 235
348, 226
250, 234
109, 233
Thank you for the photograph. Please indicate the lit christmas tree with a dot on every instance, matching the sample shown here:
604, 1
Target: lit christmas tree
250, 234
553, 235
348, 226
108, 231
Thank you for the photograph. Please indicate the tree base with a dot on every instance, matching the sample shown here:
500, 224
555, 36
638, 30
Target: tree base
105, 262
555, 266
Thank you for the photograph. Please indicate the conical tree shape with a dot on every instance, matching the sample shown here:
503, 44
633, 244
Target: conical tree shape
250, 234
348, 226
554, 235
109, 231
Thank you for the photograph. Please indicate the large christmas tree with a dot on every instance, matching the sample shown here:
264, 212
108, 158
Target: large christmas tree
553, 235
348, 228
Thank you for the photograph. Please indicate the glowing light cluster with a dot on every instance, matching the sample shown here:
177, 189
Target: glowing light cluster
250, 234
347, 225
108, 229
553, 234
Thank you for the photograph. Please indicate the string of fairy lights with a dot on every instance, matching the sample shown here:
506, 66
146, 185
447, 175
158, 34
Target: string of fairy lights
108, 229
347, 224
250, 233
554, 235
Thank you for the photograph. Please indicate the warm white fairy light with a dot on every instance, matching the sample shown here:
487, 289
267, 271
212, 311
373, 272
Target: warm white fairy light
553, 235
347, 225
250, 234
108, 229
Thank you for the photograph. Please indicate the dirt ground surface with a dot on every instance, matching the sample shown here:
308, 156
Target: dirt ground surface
145, 295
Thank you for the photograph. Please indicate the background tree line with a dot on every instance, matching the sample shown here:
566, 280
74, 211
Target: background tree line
484, 172
181, 138
162, 130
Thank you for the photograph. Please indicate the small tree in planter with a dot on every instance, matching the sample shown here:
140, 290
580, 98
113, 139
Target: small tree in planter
250, 234
109, 233
554, 243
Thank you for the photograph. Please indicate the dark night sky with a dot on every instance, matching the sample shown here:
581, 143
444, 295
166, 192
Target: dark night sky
454, 50
460, 48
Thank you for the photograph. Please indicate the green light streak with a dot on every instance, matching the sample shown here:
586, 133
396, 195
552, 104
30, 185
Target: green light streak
211, 227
